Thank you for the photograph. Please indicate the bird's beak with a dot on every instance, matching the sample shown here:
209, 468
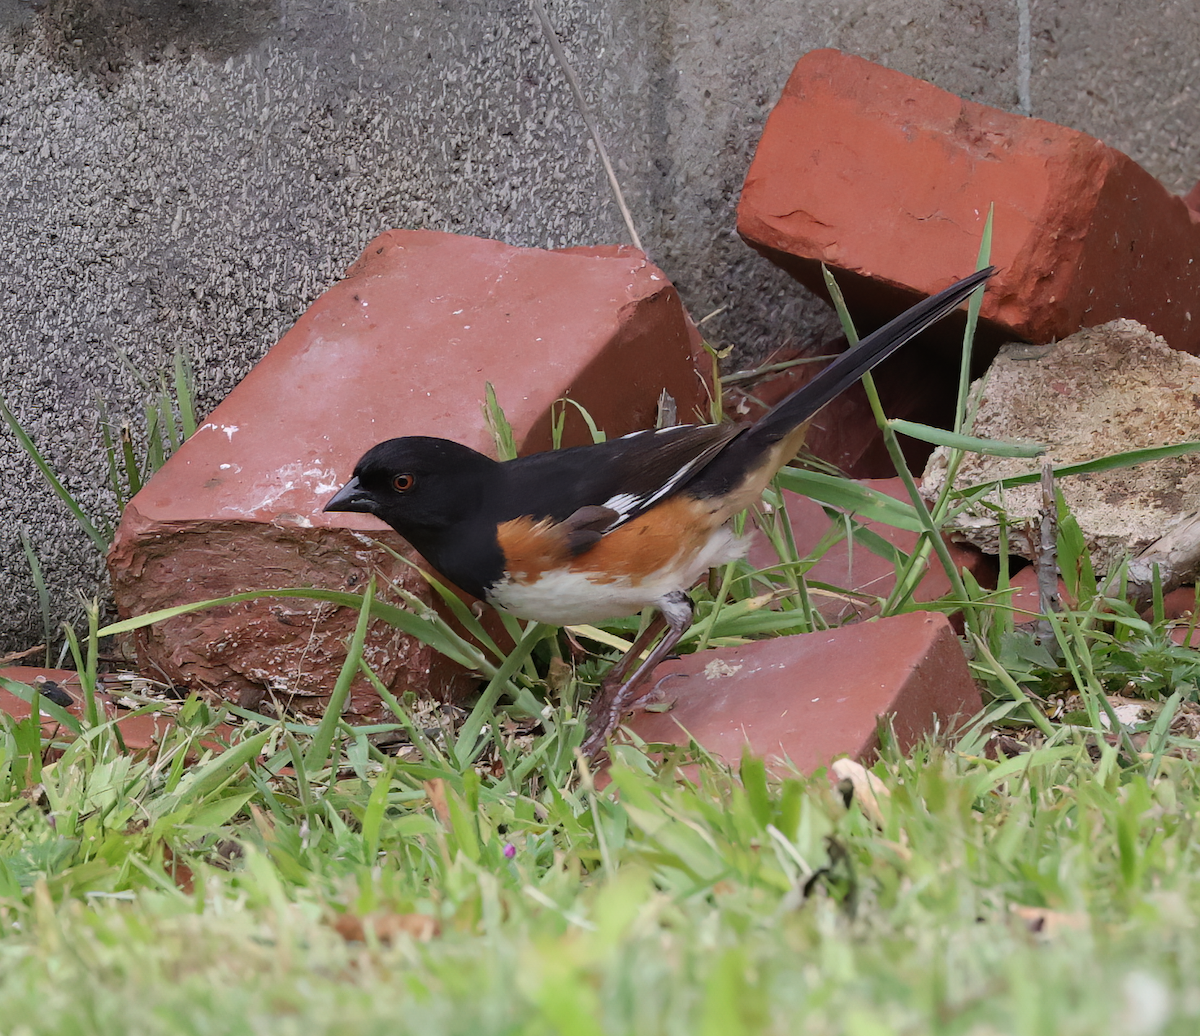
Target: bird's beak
352, 497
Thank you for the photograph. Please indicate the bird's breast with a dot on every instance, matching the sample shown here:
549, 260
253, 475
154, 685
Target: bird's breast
667, 549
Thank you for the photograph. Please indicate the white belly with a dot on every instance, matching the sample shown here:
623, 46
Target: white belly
572, 596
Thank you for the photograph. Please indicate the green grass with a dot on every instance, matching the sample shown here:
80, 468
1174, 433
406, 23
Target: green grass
729, 906
170, 418
206, 891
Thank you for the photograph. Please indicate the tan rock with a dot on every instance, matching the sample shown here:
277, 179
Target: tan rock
1105, 390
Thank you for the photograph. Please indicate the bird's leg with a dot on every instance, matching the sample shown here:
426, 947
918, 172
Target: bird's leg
616, 675
606, 694
615, 698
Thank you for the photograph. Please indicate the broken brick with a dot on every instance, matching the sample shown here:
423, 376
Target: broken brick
405, 344
810, 698
843, 433
889, 180
138, 732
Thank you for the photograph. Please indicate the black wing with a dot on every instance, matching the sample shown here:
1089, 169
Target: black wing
627, 476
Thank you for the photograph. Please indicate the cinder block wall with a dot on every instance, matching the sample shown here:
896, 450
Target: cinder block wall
196, 174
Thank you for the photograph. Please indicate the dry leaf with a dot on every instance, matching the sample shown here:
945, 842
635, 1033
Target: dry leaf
868, 789
559, 674
1044, 921
263, 822
435, 791
386, 927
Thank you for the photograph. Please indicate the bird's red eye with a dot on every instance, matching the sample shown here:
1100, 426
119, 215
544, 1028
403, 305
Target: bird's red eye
403, 483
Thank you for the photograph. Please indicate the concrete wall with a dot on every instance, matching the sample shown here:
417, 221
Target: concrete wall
195, 173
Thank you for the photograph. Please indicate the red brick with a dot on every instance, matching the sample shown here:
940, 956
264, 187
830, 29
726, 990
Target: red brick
1192, 201
888, 180
814, 697
858, 568
1026, 599
139, 733
403, 345
1177, 604
27, 674
1185, 635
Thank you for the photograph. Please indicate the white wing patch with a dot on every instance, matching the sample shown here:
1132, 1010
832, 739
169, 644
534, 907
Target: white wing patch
655, 431
622, 503
629, 504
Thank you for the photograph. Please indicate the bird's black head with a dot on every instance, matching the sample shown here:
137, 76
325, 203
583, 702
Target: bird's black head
419, 485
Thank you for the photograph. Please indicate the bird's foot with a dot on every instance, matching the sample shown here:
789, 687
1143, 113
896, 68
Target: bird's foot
612, 703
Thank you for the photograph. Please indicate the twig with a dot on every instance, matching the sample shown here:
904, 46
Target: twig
14, 656
773, 368
561, 58
1047, 556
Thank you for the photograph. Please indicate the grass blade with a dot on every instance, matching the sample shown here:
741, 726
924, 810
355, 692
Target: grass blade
210, 777
318, 749
110, 455
133, 471
438, 637
43, 594
596, 433
155, 452
467, 744
962, 420
184, 380
168, 423
1127, 459
1160, 733
502, 433
959, 441
864, 503
101, 540
29, 693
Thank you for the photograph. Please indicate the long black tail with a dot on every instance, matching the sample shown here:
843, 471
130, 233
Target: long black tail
854, 363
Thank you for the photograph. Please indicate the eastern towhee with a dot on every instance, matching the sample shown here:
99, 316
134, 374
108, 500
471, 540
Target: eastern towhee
595, 532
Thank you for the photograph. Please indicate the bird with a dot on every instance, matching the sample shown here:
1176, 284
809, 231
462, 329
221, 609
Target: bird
597, 532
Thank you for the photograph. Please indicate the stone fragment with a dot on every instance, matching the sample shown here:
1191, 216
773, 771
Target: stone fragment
404, 344
810, 698
889, 180
1102, 391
